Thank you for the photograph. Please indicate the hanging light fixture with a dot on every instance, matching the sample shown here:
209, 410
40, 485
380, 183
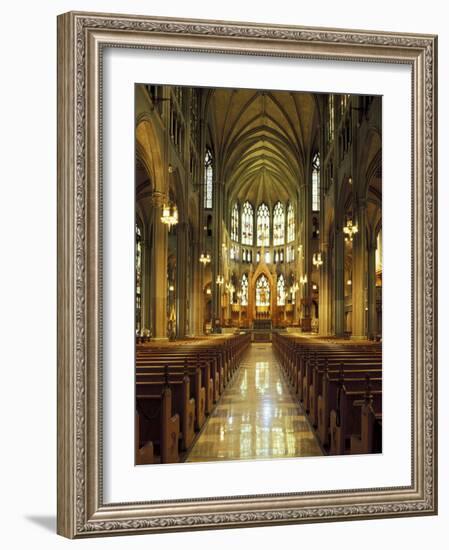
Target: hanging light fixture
169, 214
350, 230
303, 279
205, 258
317, 260
219, 280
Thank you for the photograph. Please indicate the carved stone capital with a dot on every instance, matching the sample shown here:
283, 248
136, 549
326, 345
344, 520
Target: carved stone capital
158, 198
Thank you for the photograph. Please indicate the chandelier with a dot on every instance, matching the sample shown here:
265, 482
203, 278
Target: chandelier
317, 260
205, 258
169, 214
219, 280
350, 230
303, 279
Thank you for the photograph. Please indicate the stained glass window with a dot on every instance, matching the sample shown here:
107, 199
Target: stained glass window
208, 179
247, 223
316, 182
235, 223
262, 291
138, 278
290, 223
234, 253
281, 291
278, 224
244, 290
263, 225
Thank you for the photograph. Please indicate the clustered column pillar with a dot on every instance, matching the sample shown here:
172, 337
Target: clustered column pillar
181, 283
359, 276
372, 313
158, 275
323, 317
196, 306
339, 291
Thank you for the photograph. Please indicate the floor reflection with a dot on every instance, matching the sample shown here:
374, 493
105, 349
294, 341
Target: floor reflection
257, 417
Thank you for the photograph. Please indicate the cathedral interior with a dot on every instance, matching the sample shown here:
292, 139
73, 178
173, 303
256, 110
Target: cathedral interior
258, 244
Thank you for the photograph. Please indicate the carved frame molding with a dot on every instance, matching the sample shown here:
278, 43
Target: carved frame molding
81, 39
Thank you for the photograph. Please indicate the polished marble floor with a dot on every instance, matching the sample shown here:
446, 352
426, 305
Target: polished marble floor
256, 416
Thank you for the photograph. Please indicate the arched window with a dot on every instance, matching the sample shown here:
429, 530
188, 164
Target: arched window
235, 223
278, 224
208, 179
316, 183
281, 291
263, 225
290, 223
244, 290
247, 223
138, 279
262, 291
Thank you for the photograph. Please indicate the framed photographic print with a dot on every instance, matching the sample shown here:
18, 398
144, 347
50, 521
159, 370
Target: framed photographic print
246, 274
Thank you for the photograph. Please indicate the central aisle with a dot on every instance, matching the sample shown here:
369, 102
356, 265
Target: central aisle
256, 417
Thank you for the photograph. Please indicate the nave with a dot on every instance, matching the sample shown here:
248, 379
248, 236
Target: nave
258, 274
257, 416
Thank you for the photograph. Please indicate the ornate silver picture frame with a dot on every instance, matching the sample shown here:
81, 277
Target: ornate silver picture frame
82, 40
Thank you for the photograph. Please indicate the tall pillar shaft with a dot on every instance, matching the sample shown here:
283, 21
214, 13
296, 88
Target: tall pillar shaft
146, 280
181, 283
372, 313
158, 276
339, 278
359, 277
196, 304
324, 309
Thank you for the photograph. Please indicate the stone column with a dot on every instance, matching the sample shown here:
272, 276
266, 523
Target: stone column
158, 277
372, 313
196, 302
359, 276
323, 312
146, 279
216, 249
339, 278
181, 279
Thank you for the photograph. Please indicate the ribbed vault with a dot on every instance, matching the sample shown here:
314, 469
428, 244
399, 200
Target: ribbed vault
261, 140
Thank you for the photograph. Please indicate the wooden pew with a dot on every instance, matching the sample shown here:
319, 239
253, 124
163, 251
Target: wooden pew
182, 403
315, 370
186, 381
370, 438
158, 424
144, 454
197, 390
327, 400
344, 420
179, 363
354, 364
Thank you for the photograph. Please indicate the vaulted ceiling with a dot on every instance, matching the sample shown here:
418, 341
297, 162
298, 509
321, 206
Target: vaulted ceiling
261, 140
